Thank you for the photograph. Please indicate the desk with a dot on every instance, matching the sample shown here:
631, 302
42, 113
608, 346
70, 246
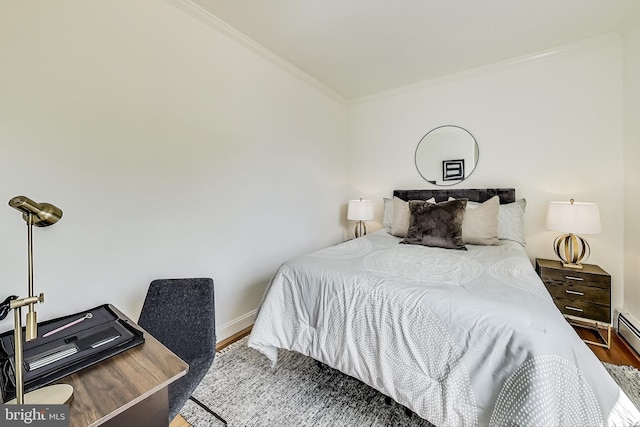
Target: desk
129, 389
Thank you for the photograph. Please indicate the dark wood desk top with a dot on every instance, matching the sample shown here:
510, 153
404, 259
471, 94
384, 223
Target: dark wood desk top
108, 388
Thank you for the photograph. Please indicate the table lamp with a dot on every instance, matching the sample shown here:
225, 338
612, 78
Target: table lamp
360, 210
573, 218
40, 215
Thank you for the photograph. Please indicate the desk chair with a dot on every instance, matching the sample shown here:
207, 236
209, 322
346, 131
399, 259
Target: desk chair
180, 313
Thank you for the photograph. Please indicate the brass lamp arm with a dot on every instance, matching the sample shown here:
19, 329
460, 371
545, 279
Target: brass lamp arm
19, 303
5, 307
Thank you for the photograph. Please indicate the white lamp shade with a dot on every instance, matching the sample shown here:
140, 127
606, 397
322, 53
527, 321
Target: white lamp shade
574, 217
360, 210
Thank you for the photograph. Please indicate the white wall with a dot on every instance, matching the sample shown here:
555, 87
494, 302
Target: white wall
173, 150
549, 126
632, 170
176, 151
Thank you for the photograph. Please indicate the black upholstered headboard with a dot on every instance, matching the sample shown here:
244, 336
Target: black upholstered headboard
507, 195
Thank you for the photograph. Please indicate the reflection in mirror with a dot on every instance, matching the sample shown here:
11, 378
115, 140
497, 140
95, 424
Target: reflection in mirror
446, 155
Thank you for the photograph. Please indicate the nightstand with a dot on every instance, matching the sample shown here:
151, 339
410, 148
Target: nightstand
582, 295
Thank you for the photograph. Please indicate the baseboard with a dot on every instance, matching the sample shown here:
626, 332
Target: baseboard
236, 325
629, 329
233, 338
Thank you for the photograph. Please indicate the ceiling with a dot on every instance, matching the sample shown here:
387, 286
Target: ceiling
363, 47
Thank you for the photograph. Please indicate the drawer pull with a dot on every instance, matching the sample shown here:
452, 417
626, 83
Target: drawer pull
573, 308
574, 292
580, 279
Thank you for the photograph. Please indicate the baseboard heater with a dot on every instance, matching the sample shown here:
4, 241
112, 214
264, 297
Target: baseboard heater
629, 332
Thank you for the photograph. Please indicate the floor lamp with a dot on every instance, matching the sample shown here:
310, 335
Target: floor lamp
40, 215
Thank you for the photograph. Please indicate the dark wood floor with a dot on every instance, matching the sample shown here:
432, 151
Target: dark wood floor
620, 352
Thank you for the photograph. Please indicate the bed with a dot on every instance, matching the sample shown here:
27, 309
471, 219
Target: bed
462, 337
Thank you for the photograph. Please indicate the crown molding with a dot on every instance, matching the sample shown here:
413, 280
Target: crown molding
216, 23
587, 43
219, 25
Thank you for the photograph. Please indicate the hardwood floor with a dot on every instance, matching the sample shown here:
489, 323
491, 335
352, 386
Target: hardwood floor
178, 421
233, 338
619, 354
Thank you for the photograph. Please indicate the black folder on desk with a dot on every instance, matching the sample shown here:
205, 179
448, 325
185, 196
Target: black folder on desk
47, 359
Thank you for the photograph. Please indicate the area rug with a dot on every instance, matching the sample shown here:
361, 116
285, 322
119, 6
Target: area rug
628, 378
243, 389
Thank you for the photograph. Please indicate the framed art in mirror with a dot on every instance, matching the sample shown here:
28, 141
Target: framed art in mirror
446, 155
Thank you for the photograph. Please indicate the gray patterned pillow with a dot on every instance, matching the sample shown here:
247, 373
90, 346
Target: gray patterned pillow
438, 225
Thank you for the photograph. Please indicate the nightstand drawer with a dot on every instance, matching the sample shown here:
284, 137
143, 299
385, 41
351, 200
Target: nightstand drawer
582, 295
579, 292
576, 278
600, 313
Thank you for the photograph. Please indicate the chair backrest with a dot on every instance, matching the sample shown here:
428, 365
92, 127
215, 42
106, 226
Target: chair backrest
180, 313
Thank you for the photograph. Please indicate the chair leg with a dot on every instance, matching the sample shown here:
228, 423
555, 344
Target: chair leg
206, 408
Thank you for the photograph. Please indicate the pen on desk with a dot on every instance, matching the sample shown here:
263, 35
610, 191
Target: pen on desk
105, 341
63, 327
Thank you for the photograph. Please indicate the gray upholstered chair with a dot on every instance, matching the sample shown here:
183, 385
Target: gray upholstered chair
180, 313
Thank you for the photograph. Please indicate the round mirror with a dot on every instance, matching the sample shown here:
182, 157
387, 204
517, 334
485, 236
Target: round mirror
446, 155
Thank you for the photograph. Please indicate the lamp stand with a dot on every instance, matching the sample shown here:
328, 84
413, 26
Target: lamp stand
572, 250
360, 229
55, 394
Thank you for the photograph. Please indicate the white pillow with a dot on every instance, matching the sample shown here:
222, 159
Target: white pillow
510, 220
480, 222
401, 216
387, 217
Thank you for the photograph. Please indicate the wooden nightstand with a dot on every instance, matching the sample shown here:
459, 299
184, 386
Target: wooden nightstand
582, 295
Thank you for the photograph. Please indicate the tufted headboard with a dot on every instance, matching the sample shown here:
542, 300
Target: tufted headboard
507, 195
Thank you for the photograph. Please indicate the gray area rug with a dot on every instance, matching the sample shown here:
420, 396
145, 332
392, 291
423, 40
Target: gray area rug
243, 389
628, 378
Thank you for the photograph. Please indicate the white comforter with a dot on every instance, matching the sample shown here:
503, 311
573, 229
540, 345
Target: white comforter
462, 338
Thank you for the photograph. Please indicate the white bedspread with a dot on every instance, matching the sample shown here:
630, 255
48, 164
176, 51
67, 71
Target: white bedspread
462, 338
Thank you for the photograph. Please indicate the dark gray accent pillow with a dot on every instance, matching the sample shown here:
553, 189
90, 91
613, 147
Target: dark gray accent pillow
438, 225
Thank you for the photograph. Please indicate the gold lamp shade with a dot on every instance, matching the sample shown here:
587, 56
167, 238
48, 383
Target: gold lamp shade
43, 214
573, 218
